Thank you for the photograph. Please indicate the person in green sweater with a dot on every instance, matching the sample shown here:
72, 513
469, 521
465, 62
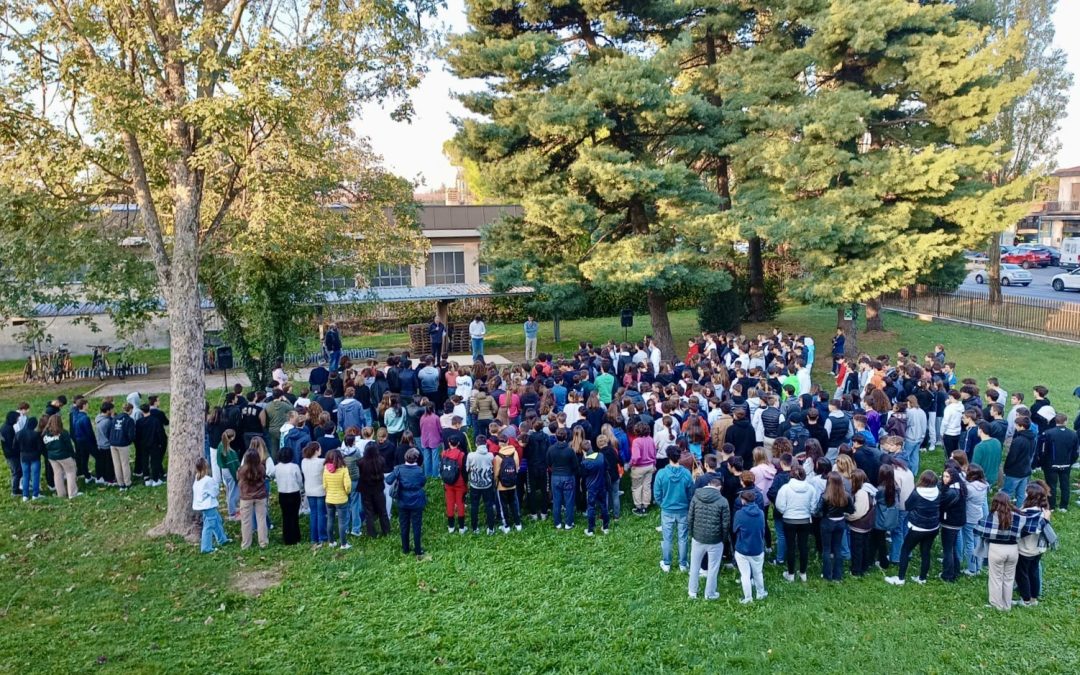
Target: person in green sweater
61, 455
987, 454
228, 463
605, 385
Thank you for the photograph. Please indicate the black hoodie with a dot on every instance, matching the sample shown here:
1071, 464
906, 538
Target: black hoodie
1021, 453
7, 435
28, 443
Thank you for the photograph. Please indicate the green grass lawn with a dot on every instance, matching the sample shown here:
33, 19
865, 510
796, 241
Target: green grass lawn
84, 588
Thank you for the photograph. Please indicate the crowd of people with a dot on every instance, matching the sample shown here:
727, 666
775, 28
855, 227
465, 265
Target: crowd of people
741, 451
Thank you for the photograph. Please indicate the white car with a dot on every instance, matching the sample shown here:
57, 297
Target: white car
1069, 281
1011, 275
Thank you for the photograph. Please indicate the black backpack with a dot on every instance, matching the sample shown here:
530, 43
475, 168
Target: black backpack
508, 471
449, 470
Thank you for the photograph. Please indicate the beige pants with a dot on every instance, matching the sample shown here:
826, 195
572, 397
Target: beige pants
1002, 558
64, 477
767, 444
121, 461
259, 508
641, 484
530, 349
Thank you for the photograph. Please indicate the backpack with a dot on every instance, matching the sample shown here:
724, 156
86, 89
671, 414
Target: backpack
896, 425
449, 470
798, 437
887, 517
508, 471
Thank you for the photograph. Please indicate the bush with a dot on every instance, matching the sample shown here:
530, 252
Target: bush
773, 288
721, 311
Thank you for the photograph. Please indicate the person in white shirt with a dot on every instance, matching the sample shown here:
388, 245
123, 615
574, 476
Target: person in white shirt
1017, 407
477, 331
803, 375
654, 357
1003, 396
952, 423
279, 373
204, 499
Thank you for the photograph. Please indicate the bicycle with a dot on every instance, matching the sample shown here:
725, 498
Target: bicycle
99, 364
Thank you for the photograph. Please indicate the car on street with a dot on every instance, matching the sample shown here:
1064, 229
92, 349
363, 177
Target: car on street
1055, 254
1011, 275
1026, 258
1067, 281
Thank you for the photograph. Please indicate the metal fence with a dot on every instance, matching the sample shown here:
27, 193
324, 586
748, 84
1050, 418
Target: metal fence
1034, 316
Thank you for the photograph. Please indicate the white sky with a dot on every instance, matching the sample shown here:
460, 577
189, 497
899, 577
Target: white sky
414, 150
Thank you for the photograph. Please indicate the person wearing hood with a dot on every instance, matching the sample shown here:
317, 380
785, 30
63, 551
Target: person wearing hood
351, 451
595, 475
976, 507
411, 500
1019, 459
61, 454
748, 531
142, 455
741, 434
11, 453
103, 466
121, 438
480, 467
565, 464
796, 502
923, 509
337, 484
372, 486
30, 448
861, 521
708, 521
673, 490
953, 516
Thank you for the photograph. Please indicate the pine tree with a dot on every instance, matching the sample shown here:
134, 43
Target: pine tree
583, 125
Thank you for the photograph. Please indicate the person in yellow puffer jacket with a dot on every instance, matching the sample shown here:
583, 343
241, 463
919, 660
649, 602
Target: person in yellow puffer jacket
338, 484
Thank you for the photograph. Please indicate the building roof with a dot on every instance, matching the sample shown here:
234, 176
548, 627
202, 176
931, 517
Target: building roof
420, 293
1067, 173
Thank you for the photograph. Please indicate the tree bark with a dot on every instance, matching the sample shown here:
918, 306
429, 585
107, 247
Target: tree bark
993, 271
756, 280
873, 316
851, 332
661, 325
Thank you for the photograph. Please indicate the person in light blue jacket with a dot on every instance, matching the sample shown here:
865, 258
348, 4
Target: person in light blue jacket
672, 490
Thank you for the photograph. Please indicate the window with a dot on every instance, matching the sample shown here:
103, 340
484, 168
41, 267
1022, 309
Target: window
330, 283
445, 267
387, 276
485, 271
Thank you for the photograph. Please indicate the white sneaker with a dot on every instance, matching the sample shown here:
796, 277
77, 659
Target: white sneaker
605, 531
505, 529
895, 581
692, 596
518, 528
559, 526
568, 527
659, 529
919, 580
451, 530
26, 499
665, 567
588, 533
333, 544
490, 531
802, 578
346, 546
789, 577
763, 596
684, 568
746, 601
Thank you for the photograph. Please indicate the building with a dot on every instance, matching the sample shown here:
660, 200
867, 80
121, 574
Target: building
1052, 221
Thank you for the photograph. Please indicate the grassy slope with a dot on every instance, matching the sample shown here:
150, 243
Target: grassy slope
81, 584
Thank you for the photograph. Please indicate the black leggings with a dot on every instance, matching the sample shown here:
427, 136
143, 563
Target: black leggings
797, 535
1027, 576
925, 541
488, 496
860, 552
374, 503
879, 548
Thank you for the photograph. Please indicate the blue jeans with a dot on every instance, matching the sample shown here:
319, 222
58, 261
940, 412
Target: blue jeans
562, 495
910, 455
477, 347
898, 538
31, 469
232, 493
832, 539
668, 523
355, 513
317, 506
335, 360
1015, 488
614, 500
212, 528
365, 416
337, 512
411, 519
431, 462
780, 552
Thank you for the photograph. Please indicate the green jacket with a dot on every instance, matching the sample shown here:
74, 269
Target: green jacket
227, 460
58, 447
710, 517
987, 454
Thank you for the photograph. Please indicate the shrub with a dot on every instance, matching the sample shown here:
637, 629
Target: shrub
721, 311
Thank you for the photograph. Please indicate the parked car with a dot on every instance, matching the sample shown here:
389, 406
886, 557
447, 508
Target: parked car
1011, 275
1068, 281
1070, 252
976, 256
1024, 257
1055, 254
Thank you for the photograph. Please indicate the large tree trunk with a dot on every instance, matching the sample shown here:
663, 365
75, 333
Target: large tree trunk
873, 315
186, 383
661, 326
993, 271
851, 332
757, 280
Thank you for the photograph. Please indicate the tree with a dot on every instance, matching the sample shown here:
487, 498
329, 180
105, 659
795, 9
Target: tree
1028, 126
175, 107
586, 129
877, 174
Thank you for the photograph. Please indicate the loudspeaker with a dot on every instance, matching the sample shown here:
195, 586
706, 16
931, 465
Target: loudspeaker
224, 358
627, 318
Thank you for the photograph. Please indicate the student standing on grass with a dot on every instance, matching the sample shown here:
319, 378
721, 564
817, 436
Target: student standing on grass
532, 329
227, 465
290, 482
506, 469
987, 453
796, 502
312, 468
477, 331
836, 505
1019, 460
61, 454
82, 432
204, 492
337, 484
643, 458
886, 516
121, 438
708, 521
253, 496
480, 465
594, 469
452, 472
748, 532
861, 521
565, 464
923, 522
1001, 531
1030, 547
977, 508
953, 518
11, 453
30, 448
673, 490
411, 500
1059, 453
372, 486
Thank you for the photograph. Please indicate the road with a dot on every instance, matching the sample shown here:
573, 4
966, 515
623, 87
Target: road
1039, 288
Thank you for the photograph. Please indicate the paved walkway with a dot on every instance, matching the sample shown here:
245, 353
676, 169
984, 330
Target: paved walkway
157, 382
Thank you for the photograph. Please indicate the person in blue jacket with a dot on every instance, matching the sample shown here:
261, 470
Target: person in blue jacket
594, 470
672, 490
749, 534
411, 499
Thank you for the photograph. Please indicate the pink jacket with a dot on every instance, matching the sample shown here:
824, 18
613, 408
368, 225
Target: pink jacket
430, 431
763, 477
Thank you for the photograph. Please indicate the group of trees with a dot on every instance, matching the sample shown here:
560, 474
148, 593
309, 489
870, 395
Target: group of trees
871, 139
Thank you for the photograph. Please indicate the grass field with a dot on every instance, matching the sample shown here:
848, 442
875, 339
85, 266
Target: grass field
83, 589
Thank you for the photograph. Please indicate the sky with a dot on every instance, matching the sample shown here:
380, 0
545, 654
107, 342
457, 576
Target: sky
414, 149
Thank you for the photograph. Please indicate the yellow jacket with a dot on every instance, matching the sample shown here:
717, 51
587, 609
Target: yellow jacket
338, 485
